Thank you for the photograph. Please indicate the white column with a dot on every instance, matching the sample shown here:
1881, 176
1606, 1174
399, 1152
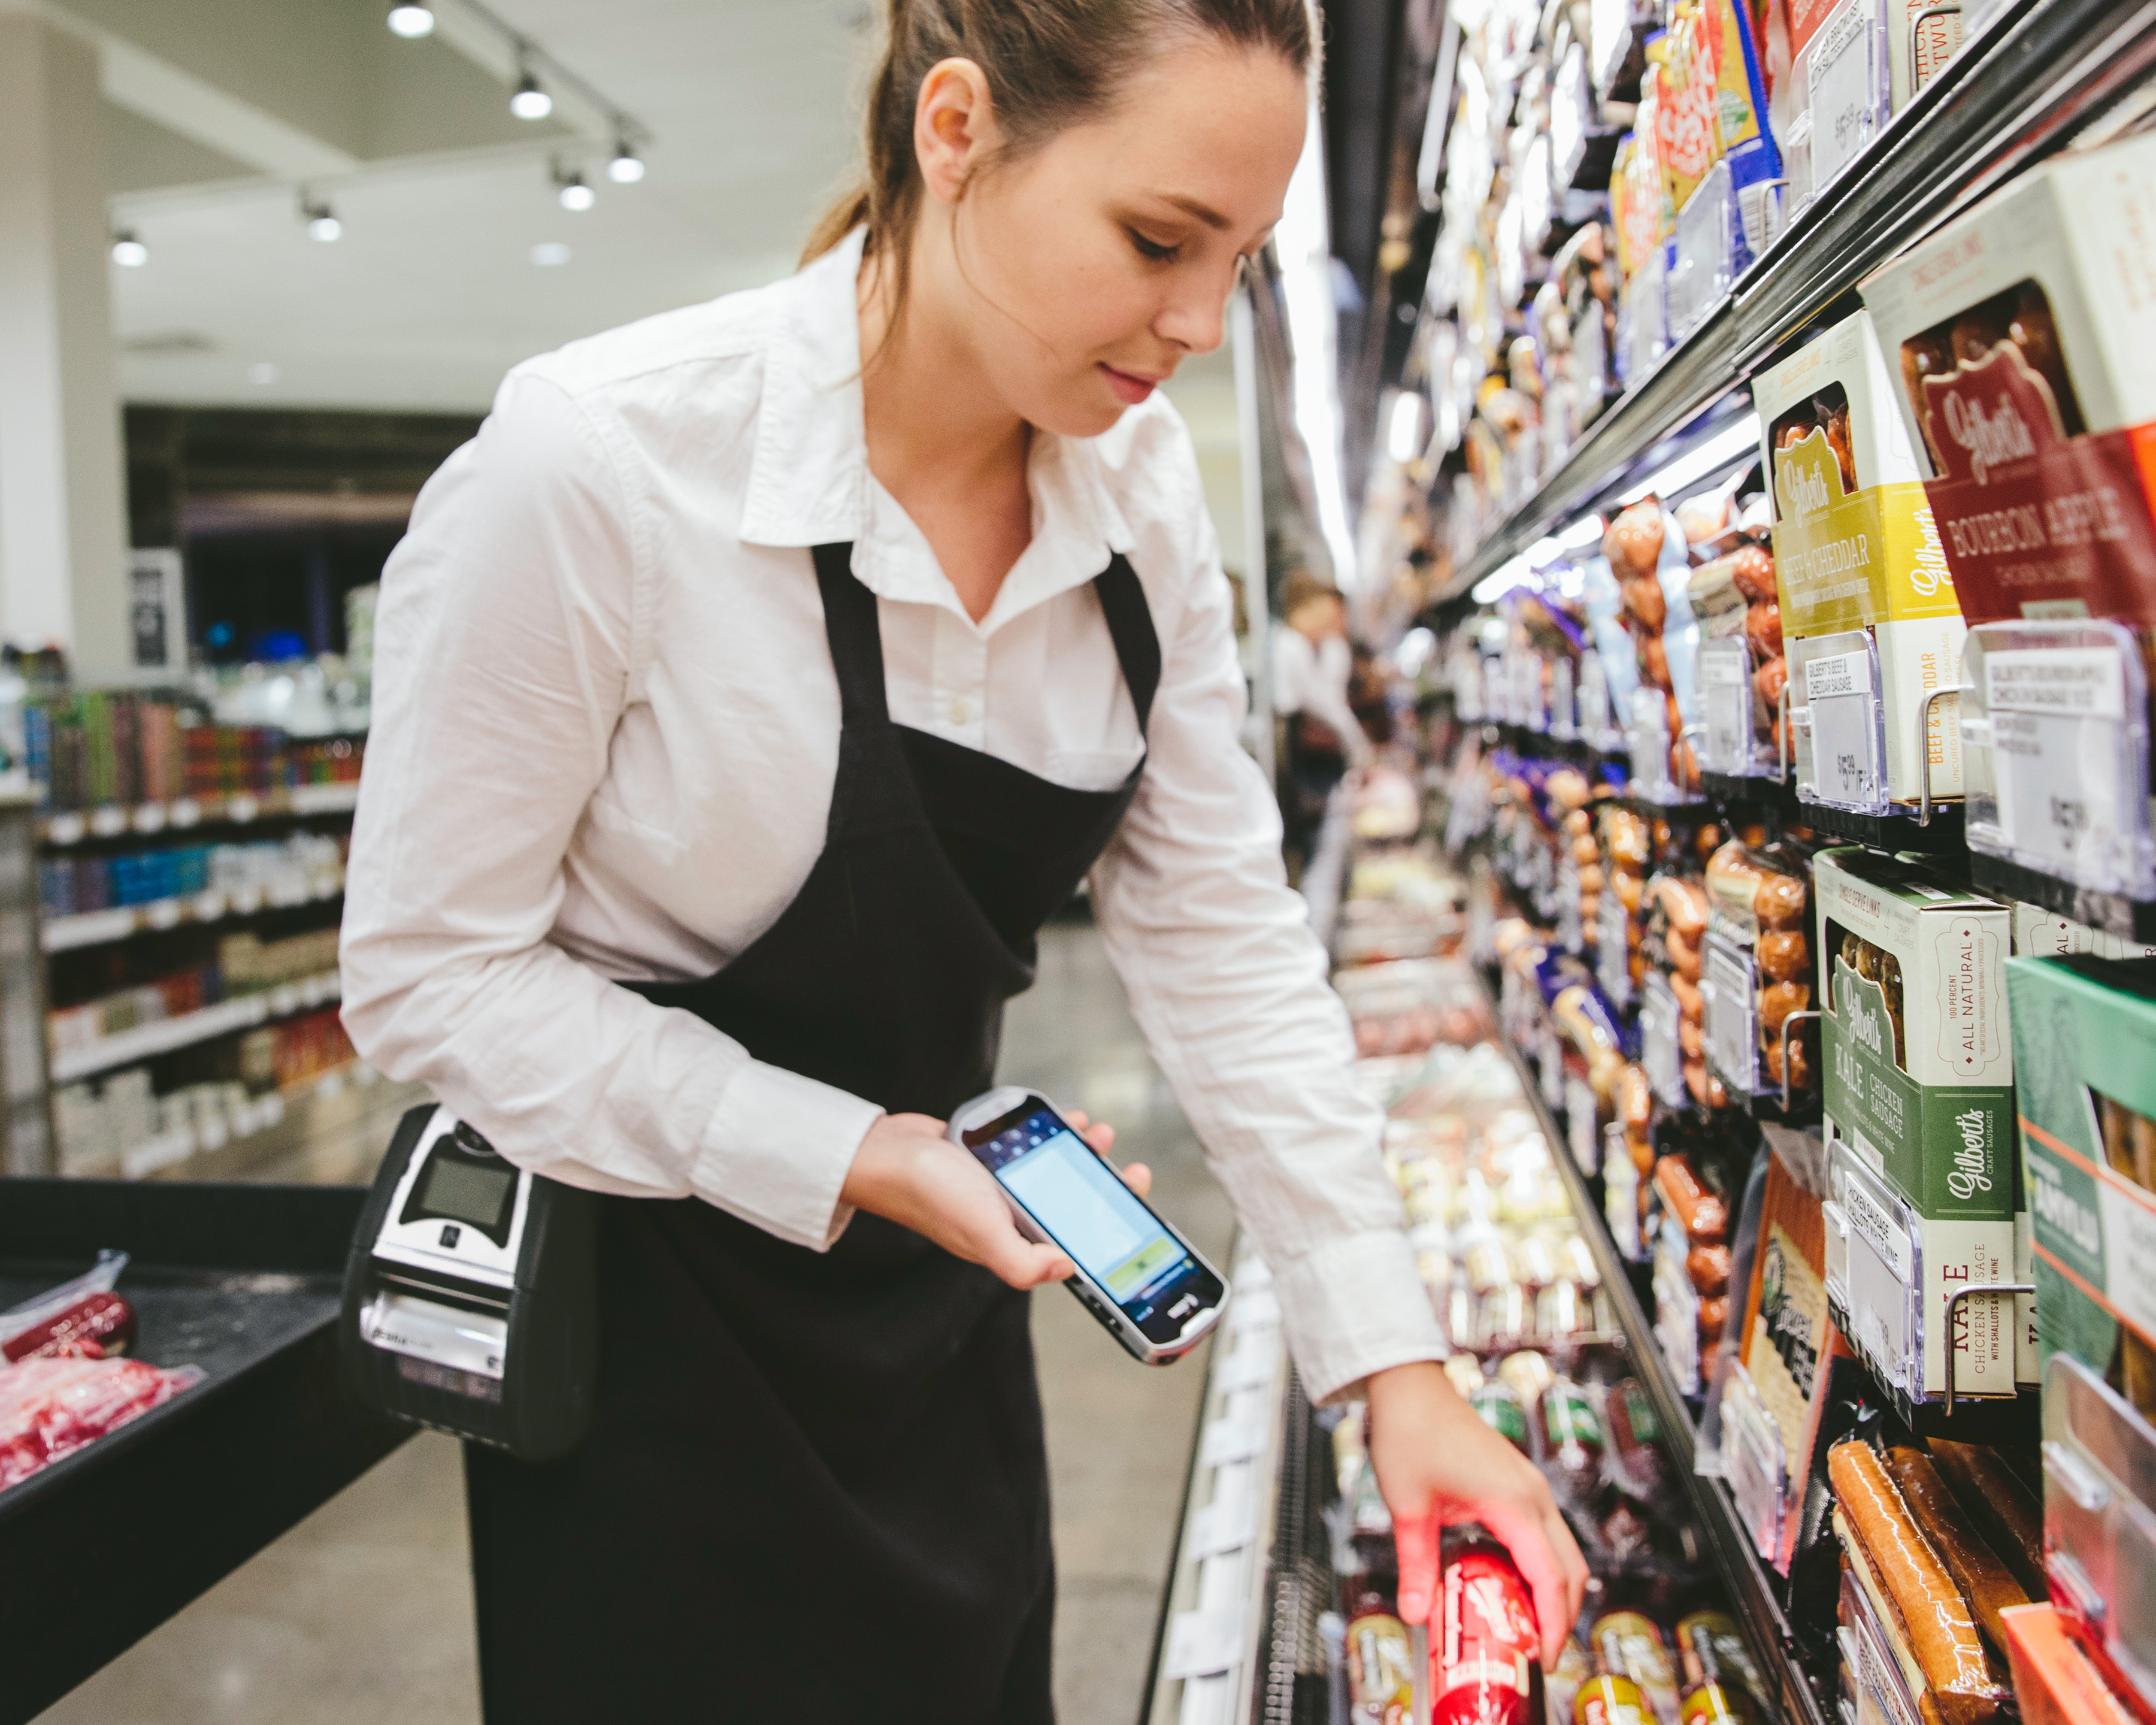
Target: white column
63, 508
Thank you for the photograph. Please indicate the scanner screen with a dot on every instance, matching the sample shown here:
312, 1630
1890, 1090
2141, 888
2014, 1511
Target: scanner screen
463, 1192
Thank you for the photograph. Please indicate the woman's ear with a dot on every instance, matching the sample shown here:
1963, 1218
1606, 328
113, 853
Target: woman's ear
954, 127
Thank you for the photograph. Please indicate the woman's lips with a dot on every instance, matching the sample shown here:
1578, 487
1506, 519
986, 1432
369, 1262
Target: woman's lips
1130, 388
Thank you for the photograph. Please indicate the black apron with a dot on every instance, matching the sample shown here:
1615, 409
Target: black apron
815, 1487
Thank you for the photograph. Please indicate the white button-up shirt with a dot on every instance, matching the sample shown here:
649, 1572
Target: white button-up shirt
605, 730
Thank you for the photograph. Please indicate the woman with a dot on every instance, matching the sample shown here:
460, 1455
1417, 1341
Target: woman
750, 690
1311, 665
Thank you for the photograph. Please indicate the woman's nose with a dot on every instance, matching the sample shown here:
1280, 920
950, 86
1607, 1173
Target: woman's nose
1195, 319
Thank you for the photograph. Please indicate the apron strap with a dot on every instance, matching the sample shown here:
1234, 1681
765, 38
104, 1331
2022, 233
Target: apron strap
856, 638
1130, 624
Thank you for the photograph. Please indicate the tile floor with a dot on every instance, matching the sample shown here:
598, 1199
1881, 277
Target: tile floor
362, 1615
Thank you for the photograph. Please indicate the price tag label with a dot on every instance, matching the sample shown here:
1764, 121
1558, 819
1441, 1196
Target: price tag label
1725, 684
1649, 736
1562, 720
1592, 700
1846, 768
1613, 949
1660, 1053
2062, 764
1732, 1014
1843, 97
1580, 1133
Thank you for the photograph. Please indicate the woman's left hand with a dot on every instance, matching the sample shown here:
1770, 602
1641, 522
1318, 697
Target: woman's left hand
1437, 1463
1103, 1137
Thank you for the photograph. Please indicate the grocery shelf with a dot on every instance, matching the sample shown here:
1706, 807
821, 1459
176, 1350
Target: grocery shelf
244, 1281
114, 820
1214, 1618
99, 928
2013, 94
162, 1036
2131, 919
1752, 1588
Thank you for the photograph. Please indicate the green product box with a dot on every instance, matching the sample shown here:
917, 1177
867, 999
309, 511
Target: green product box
1919, 1099
2084, 1031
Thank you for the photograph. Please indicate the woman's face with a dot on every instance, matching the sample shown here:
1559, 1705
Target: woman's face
1083, 274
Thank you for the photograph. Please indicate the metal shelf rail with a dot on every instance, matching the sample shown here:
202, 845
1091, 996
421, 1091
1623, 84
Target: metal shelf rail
2016, 92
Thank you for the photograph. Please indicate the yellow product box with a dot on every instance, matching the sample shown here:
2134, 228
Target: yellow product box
1869, 610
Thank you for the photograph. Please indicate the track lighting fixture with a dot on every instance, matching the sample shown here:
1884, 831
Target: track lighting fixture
627, 168
127, 251
531, 102
321, 221
411, 22
575, 195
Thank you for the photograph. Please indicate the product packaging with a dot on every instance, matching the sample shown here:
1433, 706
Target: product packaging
1867, 604
1652, 565
1919, 1093
1777, 1389
2099, 1538
1841, 91
1757, 970
2021, 330
2085, 1045
1742, 671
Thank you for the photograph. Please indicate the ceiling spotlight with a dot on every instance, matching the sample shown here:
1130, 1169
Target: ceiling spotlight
411, 21
321, 221
531, 102
627, 168
127, 251
574, 193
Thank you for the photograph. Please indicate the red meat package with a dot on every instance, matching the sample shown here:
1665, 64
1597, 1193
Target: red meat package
1486, 1664
51, 1407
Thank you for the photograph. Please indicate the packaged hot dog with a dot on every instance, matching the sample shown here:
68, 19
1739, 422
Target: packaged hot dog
1636, 1460
1380, 1670
1485, 1662
1633, 1644
1574, 1443
1913, 1592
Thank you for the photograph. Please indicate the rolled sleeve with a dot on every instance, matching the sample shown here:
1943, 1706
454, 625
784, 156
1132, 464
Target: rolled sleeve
1228, 984
778, 1151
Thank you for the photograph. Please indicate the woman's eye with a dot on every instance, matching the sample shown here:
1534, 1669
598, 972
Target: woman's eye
1151, 249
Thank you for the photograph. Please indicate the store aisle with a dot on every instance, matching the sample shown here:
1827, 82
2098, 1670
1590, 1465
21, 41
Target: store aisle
362, 1615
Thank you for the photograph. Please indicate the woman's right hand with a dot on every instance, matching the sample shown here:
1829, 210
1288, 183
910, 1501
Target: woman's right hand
907, 1171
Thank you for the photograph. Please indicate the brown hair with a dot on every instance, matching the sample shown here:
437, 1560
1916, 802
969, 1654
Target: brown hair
1050, 63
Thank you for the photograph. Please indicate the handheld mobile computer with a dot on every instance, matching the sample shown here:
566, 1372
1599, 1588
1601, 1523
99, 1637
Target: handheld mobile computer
1149, 1286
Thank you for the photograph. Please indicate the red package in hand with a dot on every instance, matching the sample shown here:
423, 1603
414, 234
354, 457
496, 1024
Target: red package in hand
1485, 1668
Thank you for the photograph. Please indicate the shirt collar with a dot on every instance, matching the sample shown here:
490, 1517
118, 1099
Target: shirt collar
809, 482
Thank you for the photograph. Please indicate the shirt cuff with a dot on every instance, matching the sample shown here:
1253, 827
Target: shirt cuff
777, 1151
1354, 1305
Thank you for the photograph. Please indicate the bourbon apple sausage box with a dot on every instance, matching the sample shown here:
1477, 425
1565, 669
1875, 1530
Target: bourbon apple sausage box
1868, 605
1919, 1107
2021, 334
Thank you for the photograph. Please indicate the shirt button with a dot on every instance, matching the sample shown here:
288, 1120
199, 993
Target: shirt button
958, 712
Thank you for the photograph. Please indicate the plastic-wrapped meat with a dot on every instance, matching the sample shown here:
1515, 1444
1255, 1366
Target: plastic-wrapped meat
52, 1407
94, 1326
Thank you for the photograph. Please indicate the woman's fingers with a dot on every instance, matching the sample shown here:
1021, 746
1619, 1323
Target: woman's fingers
1417, 1538
1022, 1264
1101, 1137
1138, 1178
1537, 1547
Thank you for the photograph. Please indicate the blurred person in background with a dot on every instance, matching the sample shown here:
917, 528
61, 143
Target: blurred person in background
1312, 665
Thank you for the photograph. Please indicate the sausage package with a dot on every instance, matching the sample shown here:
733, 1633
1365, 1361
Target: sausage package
1919, 1105
1758, 970
2085, 1045
1868, 607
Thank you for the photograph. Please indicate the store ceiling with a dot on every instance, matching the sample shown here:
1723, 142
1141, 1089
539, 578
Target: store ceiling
217, 111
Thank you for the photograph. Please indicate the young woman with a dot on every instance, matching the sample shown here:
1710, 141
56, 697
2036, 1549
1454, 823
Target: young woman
750, 690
